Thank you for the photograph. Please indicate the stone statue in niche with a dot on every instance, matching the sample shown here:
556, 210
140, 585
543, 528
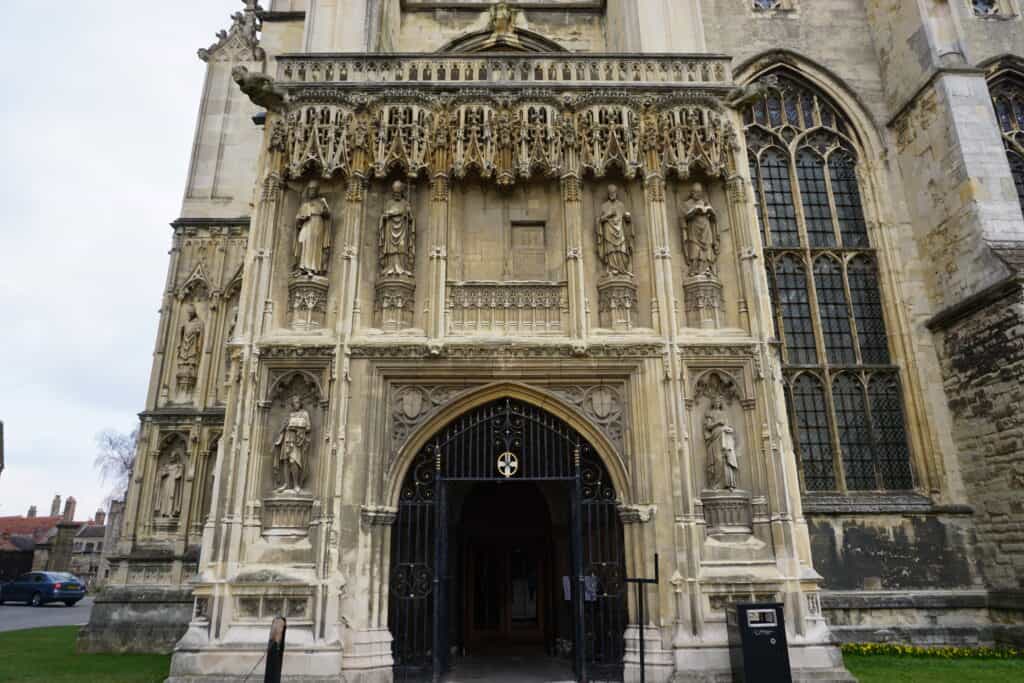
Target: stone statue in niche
312, 232
190, 338
720, 441
615, 235
397, 239
700, 234
291, 445
167, 501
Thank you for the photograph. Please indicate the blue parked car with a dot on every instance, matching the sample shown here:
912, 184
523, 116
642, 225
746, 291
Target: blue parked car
39, 588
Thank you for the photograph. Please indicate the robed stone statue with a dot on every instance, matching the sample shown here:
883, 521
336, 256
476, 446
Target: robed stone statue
615, 235
291, 444
190, 338
700, 234
312, 232
397, 238
167, 501
720, 440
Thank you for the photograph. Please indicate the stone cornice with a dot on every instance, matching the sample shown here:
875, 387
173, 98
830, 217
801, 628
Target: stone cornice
184, 222
1013, 285
267, 16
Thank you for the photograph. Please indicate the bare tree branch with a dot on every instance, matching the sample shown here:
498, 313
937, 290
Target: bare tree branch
114, 460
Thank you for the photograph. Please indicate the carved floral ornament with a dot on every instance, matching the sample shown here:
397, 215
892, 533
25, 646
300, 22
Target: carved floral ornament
504, 138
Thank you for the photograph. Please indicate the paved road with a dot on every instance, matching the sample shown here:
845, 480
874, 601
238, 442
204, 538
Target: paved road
14, 617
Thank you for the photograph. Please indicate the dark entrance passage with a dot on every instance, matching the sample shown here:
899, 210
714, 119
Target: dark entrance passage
507, 548
508, 567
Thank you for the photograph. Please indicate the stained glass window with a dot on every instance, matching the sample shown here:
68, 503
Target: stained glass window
813, 439
795, 311
833, 311
810, 170
778, 199
846, 192
843, 390
1008, 99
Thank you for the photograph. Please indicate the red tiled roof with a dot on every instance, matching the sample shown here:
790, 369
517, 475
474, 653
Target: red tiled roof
28, 526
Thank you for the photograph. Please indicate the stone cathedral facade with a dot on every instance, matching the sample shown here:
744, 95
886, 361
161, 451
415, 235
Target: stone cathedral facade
476, 308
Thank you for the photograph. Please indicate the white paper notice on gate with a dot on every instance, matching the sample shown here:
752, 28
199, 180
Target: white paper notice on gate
567, 589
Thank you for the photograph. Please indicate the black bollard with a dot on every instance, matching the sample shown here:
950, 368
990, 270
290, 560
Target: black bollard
275, 650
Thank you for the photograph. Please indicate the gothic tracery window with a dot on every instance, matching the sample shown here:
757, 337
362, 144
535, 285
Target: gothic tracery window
1008, 100
842, 389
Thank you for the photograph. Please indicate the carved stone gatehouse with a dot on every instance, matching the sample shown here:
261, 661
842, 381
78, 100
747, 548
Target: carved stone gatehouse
476, 307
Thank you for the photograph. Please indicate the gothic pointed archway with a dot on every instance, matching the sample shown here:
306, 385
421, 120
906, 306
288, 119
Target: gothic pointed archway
559, 572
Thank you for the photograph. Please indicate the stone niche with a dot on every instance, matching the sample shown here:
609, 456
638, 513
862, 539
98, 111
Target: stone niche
168, 484
293, 434
701, 236
303, 297
724, 456
620, 302
393, 303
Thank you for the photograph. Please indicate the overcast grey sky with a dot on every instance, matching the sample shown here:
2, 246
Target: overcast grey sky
96, 122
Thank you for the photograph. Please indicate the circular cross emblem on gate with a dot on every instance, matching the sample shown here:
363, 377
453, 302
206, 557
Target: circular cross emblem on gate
508, 464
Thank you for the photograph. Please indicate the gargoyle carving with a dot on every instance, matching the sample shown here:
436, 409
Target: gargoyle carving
260, 88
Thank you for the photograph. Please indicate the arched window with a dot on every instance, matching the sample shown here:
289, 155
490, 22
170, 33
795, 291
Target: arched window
843, 392
1008, 99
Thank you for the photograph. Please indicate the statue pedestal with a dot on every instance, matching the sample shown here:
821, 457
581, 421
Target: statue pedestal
393, 303
617, 302
703, 295
287, 514
307, 301
729, 514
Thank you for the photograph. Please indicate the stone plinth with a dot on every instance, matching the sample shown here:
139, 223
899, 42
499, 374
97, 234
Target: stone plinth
287, 515
307, 301
393, 303
728, 514
703, 295
617, 302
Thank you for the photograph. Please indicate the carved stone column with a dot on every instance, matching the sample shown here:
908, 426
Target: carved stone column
573, 213
438, 241
638, 532
368, 640
657, 224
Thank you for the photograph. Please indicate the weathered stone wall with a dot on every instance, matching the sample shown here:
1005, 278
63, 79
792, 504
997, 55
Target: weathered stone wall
734, 28
983, 363
137, 619
984, 38
893, 551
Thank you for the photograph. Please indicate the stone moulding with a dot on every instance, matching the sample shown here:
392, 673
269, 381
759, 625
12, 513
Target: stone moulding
508, 308
489, 351
583, 69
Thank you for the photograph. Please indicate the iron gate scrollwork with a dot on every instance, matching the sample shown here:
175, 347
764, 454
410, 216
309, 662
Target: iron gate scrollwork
482, 445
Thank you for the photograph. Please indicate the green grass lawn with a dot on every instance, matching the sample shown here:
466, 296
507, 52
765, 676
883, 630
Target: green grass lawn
894, 669
47, 655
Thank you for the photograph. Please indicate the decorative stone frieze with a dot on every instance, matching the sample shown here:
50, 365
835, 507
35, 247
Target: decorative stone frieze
506, 138
483, 351
508, 308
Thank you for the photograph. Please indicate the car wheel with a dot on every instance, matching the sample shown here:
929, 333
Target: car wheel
70, 603
37, 600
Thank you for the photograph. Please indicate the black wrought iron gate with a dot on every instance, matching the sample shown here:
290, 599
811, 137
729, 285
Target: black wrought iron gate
511, 441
